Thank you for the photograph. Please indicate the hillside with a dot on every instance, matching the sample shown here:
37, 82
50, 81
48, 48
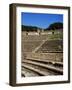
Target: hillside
53, 26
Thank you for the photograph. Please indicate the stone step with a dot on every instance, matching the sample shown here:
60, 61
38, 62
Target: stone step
29, 73
41, 73
48, 61
49, 67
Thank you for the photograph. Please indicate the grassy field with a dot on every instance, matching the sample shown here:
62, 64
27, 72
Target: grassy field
56, 36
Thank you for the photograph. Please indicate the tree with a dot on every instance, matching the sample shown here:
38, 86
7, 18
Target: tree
54, 26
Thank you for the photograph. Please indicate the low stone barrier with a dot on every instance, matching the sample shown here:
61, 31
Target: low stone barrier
45, 56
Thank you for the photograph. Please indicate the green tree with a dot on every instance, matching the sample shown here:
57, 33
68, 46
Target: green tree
55, 26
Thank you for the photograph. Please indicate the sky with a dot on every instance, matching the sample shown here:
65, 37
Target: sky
39, 19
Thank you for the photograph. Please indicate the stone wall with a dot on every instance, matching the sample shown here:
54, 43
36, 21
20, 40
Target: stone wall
45, 56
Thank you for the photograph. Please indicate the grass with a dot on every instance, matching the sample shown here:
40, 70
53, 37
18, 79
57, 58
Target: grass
56, 36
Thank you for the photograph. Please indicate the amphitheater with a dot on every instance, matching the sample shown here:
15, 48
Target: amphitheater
42, 54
